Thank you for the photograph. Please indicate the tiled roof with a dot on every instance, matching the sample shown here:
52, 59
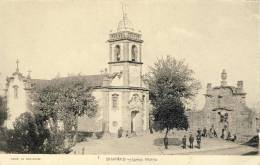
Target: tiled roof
89, 80
38, 83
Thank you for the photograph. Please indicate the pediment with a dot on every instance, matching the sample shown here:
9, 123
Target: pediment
135, 103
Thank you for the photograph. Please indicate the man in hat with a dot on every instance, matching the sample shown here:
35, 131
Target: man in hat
198, 140
184, 139
191, 140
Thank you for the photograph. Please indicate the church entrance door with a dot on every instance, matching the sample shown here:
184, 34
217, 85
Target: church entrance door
133, 118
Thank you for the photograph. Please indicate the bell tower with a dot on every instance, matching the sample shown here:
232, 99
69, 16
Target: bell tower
125, 53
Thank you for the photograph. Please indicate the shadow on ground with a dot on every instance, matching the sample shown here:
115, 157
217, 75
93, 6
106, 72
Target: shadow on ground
171, 141
251, 153
253, 142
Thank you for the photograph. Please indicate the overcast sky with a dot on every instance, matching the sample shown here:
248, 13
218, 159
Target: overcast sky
69, 36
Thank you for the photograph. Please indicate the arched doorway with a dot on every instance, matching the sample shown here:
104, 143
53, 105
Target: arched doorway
136, 111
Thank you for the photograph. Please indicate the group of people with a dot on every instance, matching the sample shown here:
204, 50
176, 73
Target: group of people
191, 140
205, 133
211, 133
121, 133
184, 140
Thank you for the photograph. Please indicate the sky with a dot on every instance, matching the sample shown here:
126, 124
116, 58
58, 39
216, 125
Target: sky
51, 37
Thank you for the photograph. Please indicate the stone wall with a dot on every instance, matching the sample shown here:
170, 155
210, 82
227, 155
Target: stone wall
225, 108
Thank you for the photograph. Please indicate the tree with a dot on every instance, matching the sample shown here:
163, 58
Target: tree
76, 101
3, 111
65, 101
172, 85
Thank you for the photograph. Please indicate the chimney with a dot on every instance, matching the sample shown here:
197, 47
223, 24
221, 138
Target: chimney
29, 74
209, 87
105, 70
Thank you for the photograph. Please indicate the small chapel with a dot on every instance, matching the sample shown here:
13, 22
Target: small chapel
123, 98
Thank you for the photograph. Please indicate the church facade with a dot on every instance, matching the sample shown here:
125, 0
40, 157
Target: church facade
123, 98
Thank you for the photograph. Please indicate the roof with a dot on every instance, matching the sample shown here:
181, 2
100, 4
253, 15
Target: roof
125, 24
89, 80
39, 83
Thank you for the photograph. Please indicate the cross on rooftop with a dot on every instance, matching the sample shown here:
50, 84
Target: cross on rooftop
17, 65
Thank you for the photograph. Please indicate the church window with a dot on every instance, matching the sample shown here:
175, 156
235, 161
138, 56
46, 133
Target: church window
117, 53
16, 92
115, 101
134, 52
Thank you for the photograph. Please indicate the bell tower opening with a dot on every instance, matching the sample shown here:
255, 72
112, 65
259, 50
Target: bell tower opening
134, 53
117, 53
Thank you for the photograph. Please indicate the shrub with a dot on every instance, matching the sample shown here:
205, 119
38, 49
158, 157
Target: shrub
23, 139
3, 133
54, 144
30, 135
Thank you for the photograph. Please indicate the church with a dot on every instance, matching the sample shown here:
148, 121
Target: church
123, 98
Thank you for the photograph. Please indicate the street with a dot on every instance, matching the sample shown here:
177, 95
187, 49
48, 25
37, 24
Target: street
153, 144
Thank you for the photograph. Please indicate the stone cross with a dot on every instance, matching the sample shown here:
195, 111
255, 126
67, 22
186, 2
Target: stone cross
17, 65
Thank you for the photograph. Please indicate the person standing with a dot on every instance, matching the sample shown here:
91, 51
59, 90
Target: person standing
199, 131
120, 132
165, 141
211, 132
204, 132
215, 133
198, 140
222, 134
184, 139
234, 138
191, 140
